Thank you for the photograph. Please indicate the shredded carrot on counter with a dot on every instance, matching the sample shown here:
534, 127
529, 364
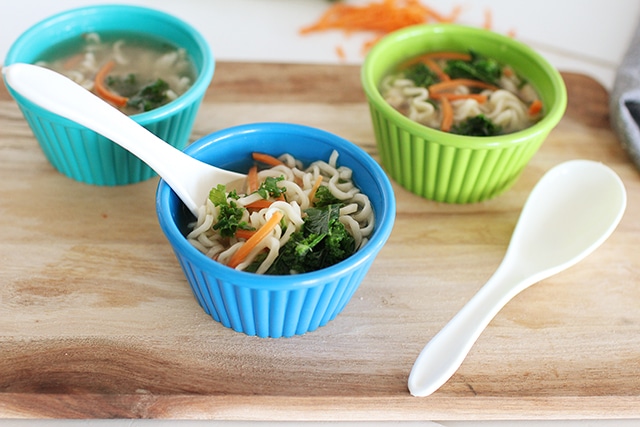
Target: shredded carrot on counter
379, 17
488, 20
340, 52
103, 91
253, 241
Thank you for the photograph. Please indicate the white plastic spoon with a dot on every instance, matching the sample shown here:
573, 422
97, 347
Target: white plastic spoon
570, 212
190, 178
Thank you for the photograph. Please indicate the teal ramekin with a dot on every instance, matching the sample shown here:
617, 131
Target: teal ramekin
80, 153
442, 166
276, 306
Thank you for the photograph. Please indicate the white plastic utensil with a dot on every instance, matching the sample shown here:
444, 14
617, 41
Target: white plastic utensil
572, 210
190, 178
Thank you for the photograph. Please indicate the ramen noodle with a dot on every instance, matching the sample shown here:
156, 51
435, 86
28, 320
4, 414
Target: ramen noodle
321, 187
480, 97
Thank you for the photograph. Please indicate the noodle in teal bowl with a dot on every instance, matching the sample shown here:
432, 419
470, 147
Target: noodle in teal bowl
458, 112
273, 303
149, 64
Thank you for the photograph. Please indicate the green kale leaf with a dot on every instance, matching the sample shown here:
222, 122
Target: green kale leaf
321, 242
230, 214
479, 68
269, 188
150, 96
421, 75
476, 126
125, 86
324, 197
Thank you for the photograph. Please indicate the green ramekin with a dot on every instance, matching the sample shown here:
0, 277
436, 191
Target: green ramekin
451, 168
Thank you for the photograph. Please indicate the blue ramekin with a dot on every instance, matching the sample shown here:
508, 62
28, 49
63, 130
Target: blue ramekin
80, 153
276, 306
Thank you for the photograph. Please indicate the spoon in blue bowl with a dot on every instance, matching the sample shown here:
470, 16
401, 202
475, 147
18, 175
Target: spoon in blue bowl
190, 178
571, 211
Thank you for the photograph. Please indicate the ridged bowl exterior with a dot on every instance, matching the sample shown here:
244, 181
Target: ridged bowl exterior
442, 166
446, 173
88, 157
276, 306
80, 153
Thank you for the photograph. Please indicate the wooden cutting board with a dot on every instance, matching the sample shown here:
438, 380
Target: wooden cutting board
97, 321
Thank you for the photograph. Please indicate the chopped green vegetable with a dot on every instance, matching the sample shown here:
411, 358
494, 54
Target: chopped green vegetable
322, 241
269, 188
476, 126
124, 86
480, 68
150, 96
324, 197
230, 214
421, 75
143, 97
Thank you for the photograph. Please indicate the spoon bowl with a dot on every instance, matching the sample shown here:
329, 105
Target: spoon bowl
572, 210
190, 178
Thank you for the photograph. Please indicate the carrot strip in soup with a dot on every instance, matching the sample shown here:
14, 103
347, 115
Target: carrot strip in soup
266, 159
447, 115
252, 180
535, 107
244, 250
436, 69
314, 189
103, 91
259, 204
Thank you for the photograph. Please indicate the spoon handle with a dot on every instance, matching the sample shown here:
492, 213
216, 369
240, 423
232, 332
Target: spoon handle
443, 355
55, 92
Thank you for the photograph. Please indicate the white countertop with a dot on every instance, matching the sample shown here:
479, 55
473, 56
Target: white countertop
587, 37
574, 35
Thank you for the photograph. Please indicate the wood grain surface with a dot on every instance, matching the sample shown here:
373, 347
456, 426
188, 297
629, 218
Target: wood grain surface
97, 320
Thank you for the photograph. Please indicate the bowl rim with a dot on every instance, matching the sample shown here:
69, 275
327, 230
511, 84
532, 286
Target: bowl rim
391, 41
384, 220
192, 95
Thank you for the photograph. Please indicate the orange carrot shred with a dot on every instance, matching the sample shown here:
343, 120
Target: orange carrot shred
253, 241
266, 158
102, 90
488, 19
259, 204
447, 115
437, 69
252, 179
379, 18
340, 52
535, 107
314, 189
